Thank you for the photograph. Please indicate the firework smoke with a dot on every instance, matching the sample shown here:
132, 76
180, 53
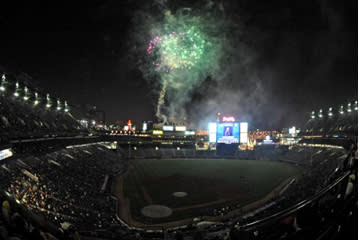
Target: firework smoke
179, 48
184, 48
160, 103
243, 62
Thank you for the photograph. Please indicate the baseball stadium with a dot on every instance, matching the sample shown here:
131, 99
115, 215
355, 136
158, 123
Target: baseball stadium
163, 183
179, 120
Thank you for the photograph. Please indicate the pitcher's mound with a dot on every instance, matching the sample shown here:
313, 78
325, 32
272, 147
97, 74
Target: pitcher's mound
156, 211
179, 194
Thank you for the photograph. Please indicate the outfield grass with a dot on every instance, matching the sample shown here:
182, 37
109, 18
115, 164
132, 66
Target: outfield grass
154, 181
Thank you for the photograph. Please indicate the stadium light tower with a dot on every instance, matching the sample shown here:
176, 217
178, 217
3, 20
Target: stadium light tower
58, 105
320, 113
16, 93
26, 93
48, 101
3, 81
36, 102
66, 107
349, 107
330, 114
341, 111
313, 114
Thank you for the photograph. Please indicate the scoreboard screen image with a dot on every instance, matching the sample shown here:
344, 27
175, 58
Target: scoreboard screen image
228, 132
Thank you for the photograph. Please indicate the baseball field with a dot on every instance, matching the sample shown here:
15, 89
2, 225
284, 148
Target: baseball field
158, 191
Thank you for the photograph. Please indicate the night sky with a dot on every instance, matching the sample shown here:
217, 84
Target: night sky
304, 56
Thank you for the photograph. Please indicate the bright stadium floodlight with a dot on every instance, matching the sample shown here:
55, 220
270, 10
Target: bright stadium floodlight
58, 105
16, 93
313, 114
66, 107
349, 107
2, 86
330, 114
36, 102
355, 106
26, 92
48, 101
320, 113
341, 111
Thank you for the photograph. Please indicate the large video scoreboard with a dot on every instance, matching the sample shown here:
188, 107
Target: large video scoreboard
228, 132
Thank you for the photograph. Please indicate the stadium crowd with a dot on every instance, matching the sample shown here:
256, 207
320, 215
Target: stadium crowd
55, 187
